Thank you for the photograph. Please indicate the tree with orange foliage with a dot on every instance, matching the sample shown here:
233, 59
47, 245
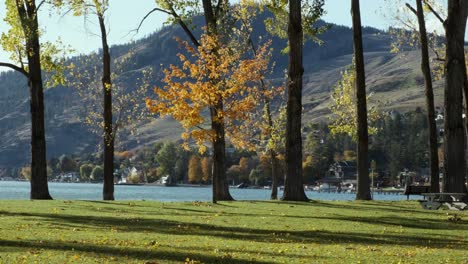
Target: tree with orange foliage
195, 171
215, 76
207, 169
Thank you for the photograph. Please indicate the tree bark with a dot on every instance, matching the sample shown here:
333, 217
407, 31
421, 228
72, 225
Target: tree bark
426, 70
293, 186
220, 184
363, 188
274, 175
108, 186
28, 16
455, 71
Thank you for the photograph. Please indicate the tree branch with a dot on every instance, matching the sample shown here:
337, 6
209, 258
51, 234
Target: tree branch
148, 14
39, 6
185, 27
434, 12
14, 67
179, 20
412, 9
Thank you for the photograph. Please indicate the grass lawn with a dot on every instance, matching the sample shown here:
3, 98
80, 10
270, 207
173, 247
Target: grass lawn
229, 232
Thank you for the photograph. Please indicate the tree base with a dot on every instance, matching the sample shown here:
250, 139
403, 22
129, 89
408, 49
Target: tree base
45, 196
363, 197
295, 197
108, 197
225, 197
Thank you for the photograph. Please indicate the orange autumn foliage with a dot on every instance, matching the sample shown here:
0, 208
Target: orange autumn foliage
212, 73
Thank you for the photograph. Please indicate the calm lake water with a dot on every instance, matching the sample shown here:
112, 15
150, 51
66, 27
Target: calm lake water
10, 190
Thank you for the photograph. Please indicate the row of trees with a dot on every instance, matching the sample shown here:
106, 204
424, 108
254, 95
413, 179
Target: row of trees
455, 90
220, 74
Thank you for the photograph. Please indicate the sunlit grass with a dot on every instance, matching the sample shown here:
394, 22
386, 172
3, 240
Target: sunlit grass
229, 232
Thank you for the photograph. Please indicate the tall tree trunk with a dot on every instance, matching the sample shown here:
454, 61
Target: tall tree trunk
455, 71
220, 183
426, 70
293, 186
274, 175
272, 152
29, 22
108, 187
363, 188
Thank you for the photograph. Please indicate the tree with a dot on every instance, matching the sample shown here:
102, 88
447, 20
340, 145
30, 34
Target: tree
344, 109
309, 13
195, 170
349, 155
308, 169
233, 174
426, 70
25, 173
23, 43
293, 186
97, 174
455, 81
220, 20
363, 188
207, 169
85, 171
99, 8
167, 158
67, 164
220, 81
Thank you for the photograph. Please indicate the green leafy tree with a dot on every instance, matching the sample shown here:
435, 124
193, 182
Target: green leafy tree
97, 174
311, 12
344, 111
167, 158
30, 58
67, 164
85, 171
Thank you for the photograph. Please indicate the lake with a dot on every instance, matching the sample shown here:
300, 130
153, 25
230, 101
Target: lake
12, 190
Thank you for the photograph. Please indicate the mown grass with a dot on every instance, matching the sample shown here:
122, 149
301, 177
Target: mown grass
229, 232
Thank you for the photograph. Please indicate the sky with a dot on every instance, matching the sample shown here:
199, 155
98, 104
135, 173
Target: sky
122, 18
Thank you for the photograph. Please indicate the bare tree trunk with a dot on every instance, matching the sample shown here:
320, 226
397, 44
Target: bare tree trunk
28, 16
108, 186
455, 70
293, 186
220, 183
426, 70
363, 188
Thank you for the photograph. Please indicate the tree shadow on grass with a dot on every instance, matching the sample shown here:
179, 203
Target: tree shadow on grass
353, 205
108, 251
180, 228
410, 221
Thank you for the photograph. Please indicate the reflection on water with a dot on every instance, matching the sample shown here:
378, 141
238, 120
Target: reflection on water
89, 191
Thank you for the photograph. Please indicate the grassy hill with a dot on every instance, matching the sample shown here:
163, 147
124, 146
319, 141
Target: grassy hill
395, 80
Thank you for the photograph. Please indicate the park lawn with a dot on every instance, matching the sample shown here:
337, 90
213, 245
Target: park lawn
229, 232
